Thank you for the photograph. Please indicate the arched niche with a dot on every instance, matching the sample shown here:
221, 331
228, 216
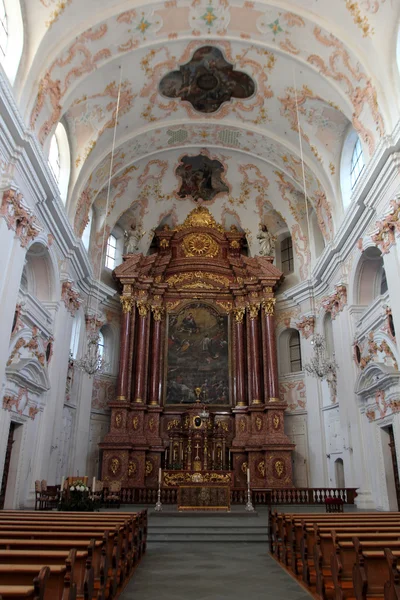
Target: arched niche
110, 335
339, 473
369, 277
39, 274
328, 334
289, 352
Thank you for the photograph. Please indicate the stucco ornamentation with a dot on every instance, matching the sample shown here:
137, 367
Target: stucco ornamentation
19, 217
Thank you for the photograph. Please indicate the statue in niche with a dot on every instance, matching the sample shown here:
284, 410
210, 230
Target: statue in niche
132, 239
201, 178
267, 241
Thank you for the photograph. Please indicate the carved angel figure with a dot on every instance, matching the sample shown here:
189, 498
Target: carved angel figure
132, 239
267, 241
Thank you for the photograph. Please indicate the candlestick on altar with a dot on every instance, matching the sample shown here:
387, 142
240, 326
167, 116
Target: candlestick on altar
249, 504
62, 485
229, 460
93, 484
158, 506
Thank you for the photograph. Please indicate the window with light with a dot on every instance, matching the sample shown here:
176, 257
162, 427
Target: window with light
54, 158
111, 252
357, 164
100, 344
287, 255
295, 352
3, 30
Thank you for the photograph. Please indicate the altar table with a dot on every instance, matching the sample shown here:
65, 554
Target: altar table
202, 497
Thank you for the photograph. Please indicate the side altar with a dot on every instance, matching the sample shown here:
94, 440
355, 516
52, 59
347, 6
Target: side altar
198, 381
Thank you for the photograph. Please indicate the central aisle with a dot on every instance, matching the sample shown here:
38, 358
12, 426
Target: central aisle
211, 571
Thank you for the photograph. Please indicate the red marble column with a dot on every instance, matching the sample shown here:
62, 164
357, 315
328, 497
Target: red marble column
127, 303
255, 353
273, 382
238, 314
155, 375
140, 375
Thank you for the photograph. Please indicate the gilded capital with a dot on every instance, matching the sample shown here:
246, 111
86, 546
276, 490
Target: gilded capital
238, 314
269, 305
127, 303
143, 308
253, 310
158, 312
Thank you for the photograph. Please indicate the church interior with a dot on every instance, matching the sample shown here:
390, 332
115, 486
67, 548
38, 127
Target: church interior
200, 210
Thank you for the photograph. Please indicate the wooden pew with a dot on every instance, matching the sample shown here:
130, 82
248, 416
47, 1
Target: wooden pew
392, 585
122, 535
34, 591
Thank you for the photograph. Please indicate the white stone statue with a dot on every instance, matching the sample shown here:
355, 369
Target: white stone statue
132, 239
267, 241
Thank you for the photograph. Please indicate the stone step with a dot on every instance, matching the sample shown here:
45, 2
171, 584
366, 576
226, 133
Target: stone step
208, 537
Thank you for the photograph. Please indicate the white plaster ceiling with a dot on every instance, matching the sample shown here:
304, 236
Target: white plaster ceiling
337, 56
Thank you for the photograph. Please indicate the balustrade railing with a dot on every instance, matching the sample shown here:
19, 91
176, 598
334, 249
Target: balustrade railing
261, 496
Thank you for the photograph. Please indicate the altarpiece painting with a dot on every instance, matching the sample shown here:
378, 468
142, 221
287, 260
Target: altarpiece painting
197, 356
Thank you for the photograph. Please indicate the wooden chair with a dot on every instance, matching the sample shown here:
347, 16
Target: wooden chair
112, 495
97, 492
50, 496
38, 495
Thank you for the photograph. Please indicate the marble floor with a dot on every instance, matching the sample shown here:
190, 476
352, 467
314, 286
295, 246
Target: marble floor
182, 571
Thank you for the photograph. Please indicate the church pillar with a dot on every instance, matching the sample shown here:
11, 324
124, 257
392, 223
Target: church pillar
122, 386
140, 374
270, 342
238, 314
254, 354
155, 376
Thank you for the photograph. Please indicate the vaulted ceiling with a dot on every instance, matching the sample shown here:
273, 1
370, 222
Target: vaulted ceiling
335, 59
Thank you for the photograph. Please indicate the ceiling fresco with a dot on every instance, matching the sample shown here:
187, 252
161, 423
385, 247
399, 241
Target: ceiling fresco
200, 178
234, 82
207, 81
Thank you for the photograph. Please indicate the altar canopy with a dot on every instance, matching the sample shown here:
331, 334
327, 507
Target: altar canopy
198, 337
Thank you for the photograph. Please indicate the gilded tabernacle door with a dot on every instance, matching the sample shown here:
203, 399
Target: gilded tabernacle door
197, 355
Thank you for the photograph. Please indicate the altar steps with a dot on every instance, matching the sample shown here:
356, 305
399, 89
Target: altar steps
206, 532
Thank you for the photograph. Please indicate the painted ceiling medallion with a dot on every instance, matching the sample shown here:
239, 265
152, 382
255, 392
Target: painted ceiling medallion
207, 81
201, 178
199, 244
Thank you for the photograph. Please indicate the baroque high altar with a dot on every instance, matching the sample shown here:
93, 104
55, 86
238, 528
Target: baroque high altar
198, 378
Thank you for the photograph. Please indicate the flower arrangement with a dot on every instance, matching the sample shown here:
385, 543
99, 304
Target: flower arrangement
77, 498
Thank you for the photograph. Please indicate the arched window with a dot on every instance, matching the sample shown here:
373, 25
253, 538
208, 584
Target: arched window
3, 30
87, 231
384, 285
111, 252
54, 158
100, 345
75, 334
287, 255
295, 352
357, 163
60, 160
11, 37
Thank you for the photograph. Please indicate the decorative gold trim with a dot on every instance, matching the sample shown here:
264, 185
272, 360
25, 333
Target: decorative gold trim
158, 312
253, 310
142, 308
241, 404
256, 401
121, 398
269, 305
238, 314
200, 245
190, 275
138, 401
153, 403
200, 217
127, 303
274, 400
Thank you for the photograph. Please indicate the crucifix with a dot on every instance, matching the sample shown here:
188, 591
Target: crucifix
197, 446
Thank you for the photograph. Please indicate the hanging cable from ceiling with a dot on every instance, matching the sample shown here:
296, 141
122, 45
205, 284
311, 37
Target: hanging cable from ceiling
94, 360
